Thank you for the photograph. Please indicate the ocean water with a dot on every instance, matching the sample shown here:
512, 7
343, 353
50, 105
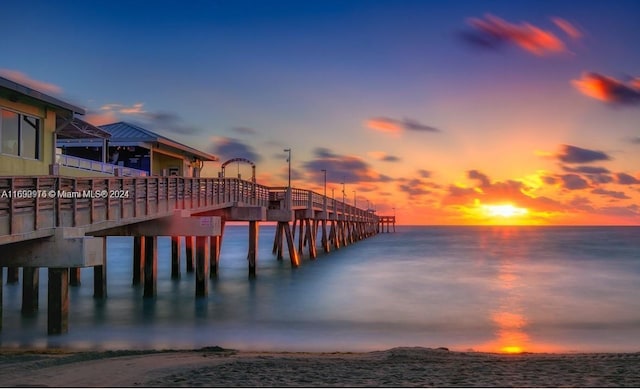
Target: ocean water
510, 289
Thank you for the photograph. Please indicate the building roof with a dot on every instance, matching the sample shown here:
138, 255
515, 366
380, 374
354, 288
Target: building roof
77, 128
124, 133
37, 95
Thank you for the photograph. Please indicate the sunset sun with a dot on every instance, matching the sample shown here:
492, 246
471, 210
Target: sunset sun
504, 210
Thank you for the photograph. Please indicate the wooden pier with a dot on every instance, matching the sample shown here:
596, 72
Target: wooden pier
61, 223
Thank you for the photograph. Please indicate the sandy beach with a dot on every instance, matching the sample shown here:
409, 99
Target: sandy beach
397, 367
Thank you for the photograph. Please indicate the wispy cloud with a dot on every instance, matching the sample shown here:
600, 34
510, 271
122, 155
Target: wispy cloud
493, 32
415, 188
228, 148
160, 121
391, 125
626, 179
569, 28
609, 89
383, 156
342, 168
611, 194
244, 131
573, 182
575, 155
24, 79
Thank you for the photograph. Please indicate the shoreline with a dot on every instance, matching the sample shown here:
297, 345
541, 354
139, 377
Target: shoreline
396, 367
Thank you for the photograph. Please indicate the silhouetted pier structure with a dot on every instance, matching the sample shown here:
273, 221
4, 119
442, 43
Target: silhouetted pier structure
61, 223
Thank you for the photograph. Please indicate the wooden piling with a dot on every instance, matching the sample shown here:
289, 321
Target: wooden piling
100, 281
139, 256
293, 255
58, 301
150, 266
202, 266
13, 275
214, 256
100, 276
74, 276
176, 248
190, 243
1, 288
30, 290
325, 238
253, 247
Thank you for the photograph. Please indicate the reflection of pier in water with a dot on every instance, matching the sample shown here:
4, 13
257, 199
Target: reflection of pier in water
61, 223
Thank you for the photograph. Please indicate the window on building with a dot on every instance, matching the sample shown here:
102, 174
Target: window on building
20, 135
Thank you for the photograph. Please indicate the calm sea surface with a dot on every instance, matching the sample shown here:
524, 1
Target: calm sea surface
554, 289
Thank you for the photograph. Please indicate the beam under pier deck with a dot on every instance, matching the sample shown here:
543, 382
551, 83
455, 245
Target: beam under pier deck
150, 266
138, 259
30, 290
1, 288
202, 265
190, 243
214, 256
13, 275
58, 301
74, 276
176, 248
253, 247
100, 275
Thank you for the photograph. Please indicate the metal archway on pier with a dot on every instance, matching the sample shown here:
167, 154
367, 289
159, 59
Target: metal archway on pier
239, 160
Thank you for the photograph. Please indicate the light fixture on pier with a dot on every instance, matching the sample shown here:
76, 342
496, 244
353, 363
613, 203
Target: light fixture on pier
288, 150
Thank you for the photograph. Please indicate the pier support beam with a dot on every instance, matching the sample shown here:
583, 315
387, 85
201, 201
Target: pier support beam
293, 255
1, 288
190, 242
30, 290
138, 259
176, 248
100, 281
253, 247
202, 266
13, 275
150, 266
214, 255
58, 301
74, 276
100, 275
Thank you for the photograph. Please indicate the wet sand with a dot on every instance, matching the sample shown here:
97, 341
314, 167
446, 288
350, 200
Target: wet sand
397, 367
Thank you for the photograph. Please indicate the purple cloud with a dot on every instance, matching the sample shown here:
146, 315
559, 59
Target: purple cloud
574, 155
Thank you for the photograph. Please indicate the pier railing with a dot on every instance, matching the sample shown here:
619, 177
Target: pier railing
32, 206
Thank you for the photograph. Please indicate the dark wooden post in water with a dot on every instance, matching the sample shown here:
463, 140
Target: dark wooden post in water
138, 259
190, 242
253, 247
214, 256
202, 266
150, 266
30, 290
100, 275
175, 257
13, 275
58, 301
1, 288
74, 276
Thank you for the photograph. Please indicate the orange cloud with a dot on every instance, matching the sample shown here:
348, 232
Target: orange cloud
608, 89
386, 125
137, 108
25, 80
101, 118
529, 37
568, 28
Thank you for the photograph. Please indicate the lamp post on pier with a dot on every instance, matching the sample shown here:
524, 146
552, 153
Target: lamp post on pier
288, 150
325, 182
354, 199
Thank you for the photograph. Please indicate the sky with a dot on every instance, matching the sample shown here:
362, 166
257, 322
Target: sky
456, 112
